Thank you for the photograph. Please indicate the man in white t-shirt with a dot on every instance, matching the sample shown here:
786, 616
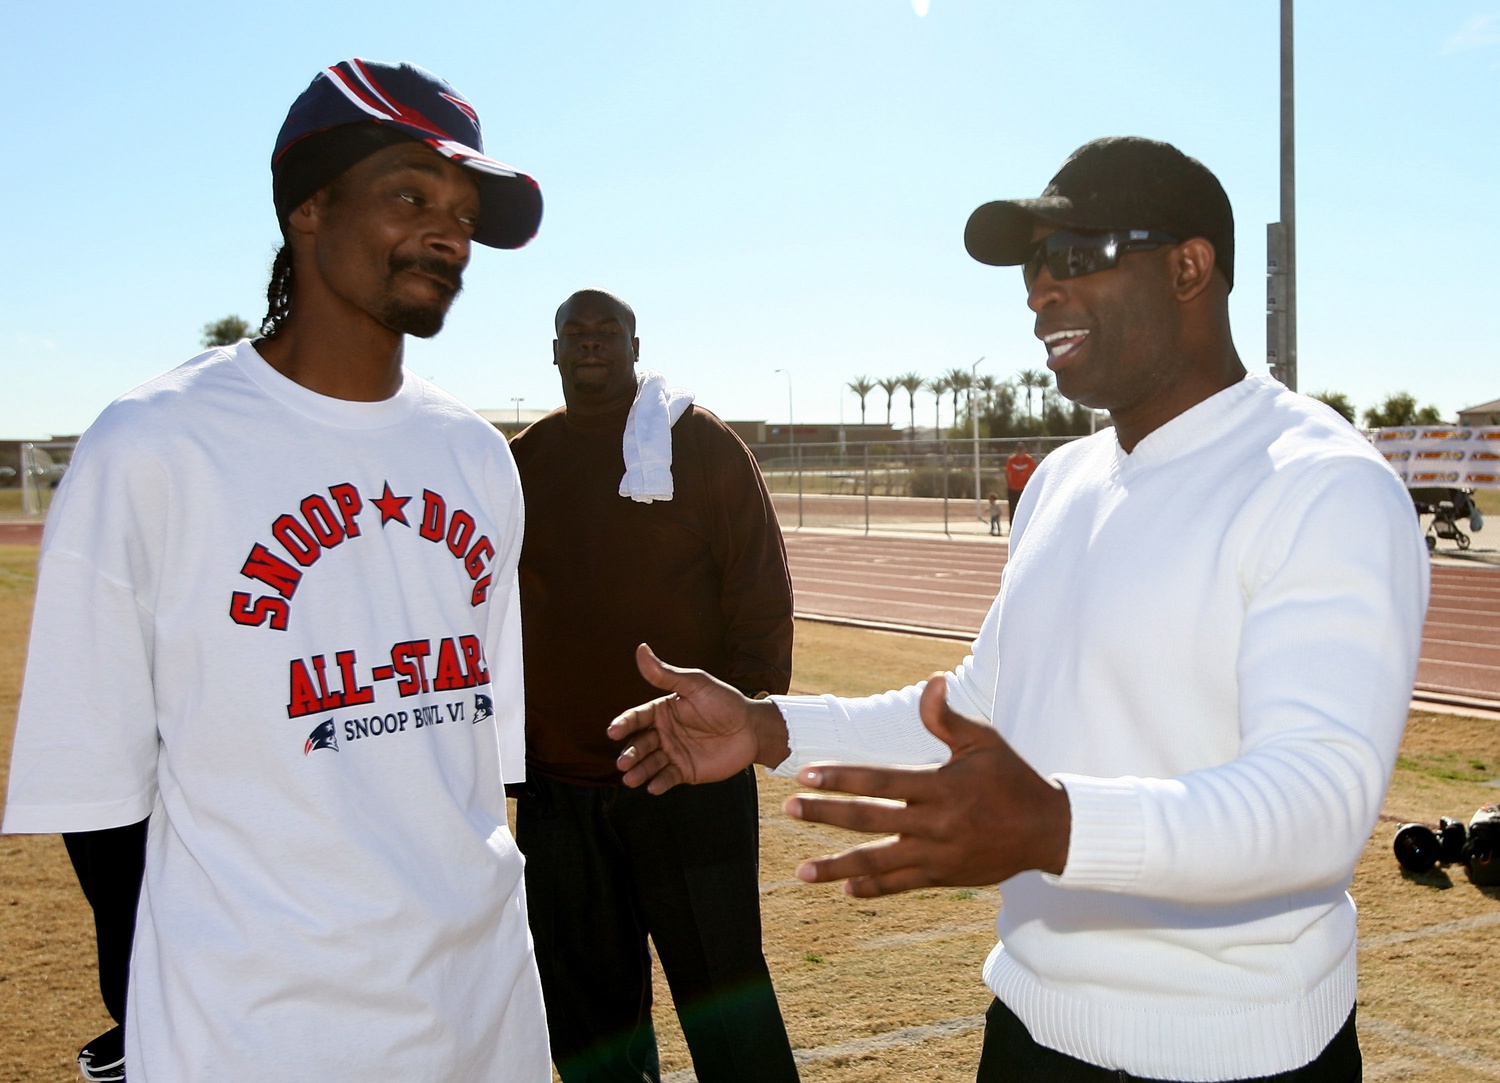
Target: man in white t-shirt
1191, 687
277, 637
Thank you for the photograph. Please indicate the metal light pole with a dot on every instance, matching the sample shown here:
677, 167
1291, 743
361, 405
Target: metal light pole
518, 399
1281, 237
974, 418
791, 432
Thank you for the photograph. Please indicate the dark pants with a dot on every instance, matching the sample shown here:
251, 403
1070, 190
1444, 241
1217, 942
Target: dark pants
1010, 1056
1011, 496
608, 865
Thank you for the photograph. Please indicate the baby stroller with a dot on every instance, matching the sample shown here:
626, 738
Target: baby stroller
1447, 507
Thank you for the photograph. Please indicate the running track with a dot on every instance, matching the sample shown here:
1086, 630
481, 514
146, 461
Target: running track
938, 586
944, 587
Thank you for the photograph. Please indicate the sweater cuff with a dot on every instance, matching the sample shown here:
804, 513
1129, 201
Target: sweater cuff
812, 731
1107, 840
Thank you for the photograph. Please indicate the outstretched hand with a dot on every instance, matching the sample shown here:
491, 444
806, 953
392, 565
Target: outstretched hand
703, 731
977, 820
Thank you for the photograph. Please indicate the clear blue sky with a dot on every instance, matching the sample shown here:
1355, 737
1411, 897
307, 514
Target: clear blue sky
772, 184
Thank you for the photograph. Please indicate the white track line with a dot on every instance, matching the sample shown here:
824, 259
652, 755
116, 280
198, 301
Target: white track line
1442, 928
1410, 1040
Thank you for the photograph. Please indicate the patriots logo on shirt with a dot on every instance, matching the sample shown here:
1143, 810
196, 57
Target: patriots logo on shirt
322, 737
483, 708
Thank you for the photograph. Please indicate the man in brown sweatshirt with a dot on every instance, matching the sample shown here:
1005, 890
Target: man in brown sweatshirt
701, 575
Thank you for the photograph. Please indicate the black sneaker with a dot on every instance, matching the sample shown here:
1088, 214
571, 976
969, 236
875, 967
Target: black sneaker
103, 1059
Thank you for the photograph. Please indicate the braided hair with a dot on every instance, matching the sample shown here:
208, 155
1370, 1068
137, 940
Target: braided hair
278, 292
313, 163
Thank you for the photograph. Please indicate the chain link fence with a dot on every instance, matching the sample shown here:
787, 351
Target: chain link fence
923, 486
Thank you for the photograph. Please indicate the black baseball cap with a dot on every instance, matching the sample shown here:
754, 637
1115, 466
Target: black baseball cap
1116, 183
356, 107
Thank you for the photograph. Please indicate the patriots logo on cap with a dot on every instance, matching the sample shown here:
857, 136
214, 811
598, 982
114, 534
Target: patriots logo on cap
322, 737
483, 707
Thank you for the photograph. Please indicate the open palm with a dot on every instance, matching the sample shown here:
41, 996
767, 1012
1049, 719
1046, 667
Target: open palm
704, 731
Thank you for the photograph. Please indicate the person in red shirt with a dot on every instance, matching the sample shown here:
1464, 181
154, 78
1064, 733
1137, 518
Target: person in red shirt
1018, 470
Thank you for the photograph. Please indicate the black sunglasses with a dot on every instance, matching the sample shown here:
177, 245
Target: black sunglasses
1067, 254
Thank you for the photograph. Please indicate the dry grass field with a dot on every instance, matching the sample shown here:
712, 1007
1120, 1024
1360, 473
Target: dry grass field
872, 990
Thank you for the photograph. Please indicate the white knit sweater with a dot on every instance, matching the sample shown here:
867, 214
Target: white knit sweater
1210, 642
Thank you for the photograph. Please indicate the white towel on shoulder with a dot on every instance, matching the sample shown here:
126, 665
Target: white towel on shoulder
648, 437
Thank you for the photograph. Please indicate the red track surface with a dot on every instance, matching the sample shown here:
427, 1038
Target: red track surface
942, 585
20, 533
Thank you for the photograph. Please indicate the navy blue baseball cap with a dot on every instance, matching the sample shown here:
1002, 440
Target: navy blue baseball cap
356, 107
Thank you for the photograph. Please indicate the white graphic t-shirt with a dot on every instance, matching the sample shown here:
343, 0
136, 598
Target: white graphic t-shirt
286, 628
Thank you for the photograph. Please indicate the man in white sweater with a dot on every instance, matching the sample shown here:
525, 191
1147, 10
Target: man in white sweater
1189, 693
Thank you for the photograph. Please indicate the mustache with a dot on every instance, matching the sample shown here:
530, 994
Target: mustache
450, 273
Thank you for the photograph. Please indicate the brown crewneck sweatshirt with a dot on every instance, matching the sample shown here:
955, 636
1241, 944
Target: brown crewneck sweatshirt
701, 577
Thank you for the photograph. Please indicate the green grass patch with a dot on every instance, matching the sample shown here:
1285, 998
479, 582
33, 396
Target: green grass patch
1489, 502
855, 662
1448, 766
18, 569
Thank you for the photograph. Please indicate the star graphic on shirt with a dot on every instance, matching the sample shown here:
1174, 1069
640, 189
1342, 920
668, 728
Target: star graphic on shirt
391, 506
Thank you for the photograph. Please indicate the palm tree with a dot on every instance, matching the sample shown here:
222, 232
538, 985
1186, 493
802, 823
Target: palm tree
987, 386
938, 385
1047, 398
1003, 403
982, 391
888, 385
958, 381
1031, 380
861, 386
911, 383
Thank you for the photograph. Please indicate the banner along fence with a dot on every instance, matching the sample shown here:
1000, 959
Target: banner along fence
1442, 456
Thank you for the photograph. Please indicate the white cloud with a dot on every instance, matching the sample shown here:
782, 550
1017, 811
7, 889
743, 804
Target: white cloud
920, 7
1480, 31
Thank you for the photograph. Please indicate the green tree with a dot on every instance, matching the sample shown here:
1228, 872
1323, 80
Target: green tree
958, 383
938, 385
1049, 398
1339, 401
911, 383
1401, 409
888, 385
999, 415
1032, 380
861, 386
225, 332
985, 387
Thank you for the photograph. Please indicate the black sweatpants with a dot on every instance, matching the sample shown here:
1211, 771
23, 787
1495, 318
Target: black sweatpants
606, 866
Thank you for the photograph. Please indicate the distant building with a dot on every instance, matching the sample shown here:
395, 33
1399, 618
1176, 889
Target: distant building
510, 420
1486, 413
830, 433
